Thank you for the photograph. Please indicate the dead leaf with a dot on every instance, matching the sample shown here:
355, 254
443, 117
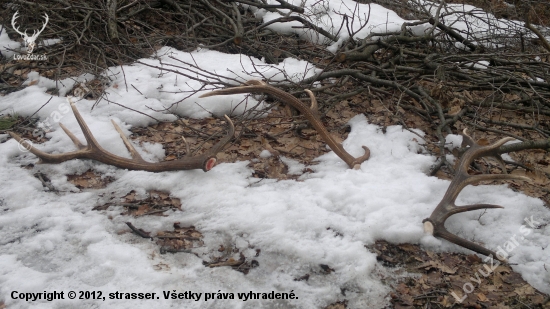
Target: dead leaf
338, 305
333, 114
437, 265
481, 297
538, 177
483, 142
409, 247
89, 180
141, 210
229, 262
163, 125
518, 172
472, 258
273, 152
402, 288
524, 290
447, 301
130, 197
454, 110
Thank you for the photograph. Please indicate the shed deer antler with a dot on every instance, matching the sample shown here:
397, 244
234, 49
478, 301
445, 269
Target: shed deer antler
94, 151
311, 114
30, 41
435, 224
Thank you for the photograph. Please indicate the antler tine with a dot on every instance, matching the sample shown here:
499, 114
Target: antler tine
435, 224
90, 139
256, 86
75, 140
45, 23
187, 149
133, 152
94, 151
36, 32
314, 107
15, 16
219, 145
467, 140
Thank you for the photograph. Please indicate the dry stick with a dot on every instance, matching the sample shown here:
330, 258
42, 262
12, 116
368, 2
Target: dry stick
539, 34
127, 6
455, 35
45, 182
283, 5
545, 133
237, 34
306, 23
174, 5
443, 159
539, 144
359, 75
138, 232
111, 21
134, 110
437, 105
368, 53
482, 128
28, 118
515, 108
179, 237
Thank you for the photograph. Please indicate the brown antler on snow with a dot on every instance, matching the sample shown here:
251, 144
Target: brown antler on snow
94, 151
435, 224
255, 86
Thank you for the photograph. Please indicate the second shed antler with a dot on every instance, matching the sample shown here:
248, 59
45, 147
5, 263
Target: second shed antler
435, 224
94, 151
311, 114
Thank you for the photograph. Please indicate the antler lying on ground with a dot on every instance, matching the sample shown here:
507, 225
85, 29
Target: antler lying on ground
311, 114
435, 224
94, 151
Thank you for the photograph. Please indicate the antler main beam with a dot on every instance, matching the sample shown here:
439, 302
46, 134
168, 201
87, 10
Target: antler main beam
311, 114
435, 224
94, 151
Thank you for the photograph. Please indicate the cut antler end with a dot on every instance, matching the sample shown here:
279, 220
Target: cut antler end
209, 164
439, 231
428, 226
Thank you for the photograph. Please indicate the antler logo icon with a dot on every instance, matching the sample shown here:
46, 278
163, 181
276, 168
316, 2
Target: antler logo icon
30, 41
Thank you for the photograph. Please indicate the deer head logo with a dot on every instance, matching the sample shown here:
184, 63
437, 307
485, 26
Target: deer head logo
30, 41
